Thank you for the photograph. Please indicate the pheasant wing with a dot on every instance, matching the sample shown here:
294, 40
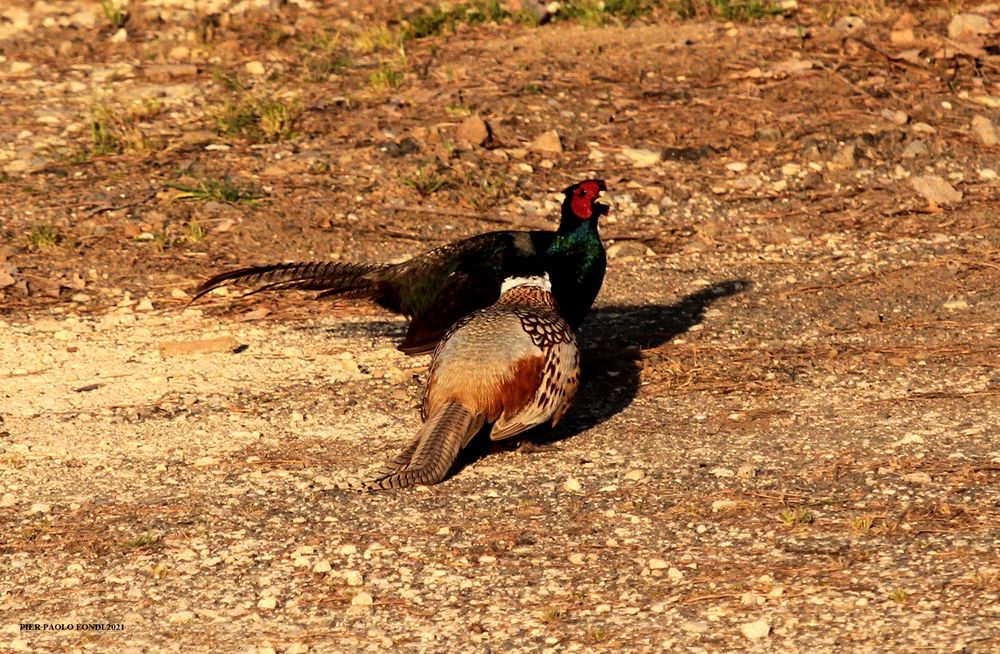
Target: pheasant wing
556, 388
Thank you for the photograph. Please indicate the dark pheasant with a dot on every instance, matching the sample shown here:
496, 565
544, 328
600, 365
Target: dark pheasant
514, 365
438, 287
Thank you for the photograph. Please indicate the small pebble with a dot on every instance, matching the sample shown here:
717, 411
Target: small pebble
572, 485
756, 630
180, 617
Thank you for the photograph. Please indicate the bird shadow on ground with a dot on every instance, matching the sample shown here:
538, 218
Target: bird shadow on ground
610, 351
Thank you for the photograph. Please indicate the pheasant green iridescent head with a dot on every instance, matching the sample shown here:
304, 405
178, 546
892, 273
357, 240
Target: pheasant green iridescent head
581, 205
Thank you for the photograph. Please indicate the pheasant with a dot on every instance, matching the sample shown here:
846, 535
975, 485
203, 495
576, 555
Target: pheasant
437, 288
514, 364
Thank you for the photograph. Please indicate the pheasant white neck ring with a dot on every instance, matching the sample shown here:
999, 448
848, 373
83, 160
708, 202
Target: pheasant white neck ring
540, 281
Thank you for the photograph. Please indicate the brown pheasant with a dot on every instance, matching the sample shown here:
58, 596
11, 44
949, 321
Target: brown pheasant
514, 364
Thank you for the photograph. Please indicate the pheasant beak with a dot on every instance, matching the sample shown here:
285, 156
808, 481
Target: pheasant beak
603, 203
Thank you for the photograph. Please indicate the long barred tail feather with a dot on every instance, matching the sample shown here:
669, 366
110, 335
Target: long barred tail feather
429, 457
332, 277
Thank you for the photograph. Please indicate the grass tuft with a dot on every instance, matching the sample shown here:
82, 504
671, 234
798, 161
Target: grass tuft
259, 120
114, 13
735, 10
143, 542
319, 68
485, 190
425, 183
115, 129
222, 190
795, 517
376, 38
438, 20
386, 77
899, 596
596, 13
42, 237
195, 232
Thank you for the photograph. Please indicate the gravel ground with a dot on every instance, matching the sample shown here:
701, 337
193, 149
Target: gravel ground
788, 434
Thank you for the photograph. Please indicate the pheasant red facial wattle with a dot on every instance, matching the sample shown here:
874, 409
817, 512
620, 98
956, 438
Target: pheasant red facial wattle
583, 196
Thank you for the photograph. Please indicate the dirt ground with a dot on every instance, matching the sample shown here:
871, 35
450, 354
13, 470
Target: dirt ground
788, 434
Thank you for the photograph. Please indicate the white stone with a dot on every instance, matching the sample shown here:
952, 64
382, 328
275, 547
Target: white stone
963, 26
179, 53
546, 142
791, 169
756, 630
696, 627
918, 478
983, 128
180, 617
572, 485
936, 190
254, 68
898, 117
362, 599
722, 505
641, 158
